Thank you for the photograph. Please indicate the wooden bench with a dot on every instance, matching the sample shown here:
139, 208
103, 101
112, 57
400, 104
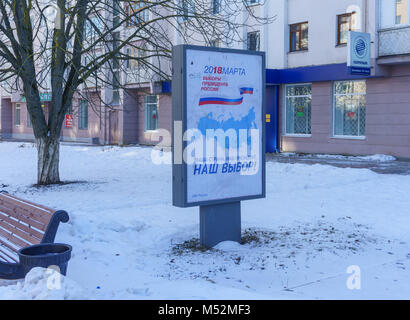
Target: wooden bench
22, 224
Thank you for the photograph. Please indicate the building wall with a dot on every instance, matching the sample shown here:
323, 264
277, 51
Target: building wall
134, 117
24, 132
387, 120
5, 118
96, 122
322, 18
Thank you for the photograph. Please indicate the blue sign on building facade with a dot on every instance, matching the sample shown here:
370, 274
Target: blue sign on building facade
358, 60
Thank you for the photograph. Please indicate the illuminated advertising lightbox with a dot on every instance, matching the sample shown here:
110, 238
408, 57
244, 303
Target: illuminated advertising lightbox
219, 125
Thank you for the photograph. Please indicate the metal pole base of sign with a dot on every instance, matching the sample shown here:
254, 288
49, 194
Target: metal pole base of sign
220, 222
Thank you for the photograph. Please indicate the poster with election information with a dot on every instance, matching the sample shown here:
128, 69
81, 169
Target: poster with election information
221, 106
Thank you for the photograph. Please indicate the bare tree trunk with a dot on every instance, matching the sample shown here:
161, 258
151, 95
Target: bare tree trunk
48, 150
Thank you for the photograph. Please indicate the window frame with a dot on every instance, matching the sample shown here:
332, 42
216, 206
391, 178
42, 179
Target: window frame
339, 24
187, 10
216, 7
138, 52
258, 40
92, 26
146, 112
80, 117
343, 136
300, 36
116, 71
139, 13
253, 2
285, 131
407, 14
17, 107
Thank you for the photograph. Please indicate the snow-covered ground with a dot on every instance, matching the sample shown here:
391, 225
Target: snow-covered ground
130, 243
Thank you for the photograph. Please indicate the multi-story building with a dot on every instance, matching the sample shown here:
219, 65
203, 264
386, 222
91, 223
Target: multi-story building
322, 108
314, 104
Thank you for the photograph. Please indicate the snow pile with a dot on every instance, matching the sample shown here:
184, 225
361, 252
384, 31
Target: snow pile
374, 158
43, 284
288, 154
378, 158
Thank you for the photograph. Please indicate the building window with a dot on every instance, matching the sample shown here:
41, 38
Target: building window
187, 9
116, 19
93, 28
151, 112
254, 41
349, 112
136, 54
116, 75
115, 44
17, 113
298, 109
252, 2
116, 84
83, 120
132, 62
402, 11
345, 24
216, 6
299, 36
137, 12
29, 124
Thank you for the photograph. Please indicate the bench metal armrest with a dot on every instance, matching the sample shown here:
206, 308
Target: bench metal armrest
50, 234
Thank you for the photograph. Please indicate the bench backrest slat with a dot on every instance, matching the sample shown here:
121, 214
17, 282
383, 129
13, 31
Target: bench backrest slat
38, 214
23, 217
23, 227
13, 239
8, 246
24, 235
9, 250
22, 213
36, 205
7, 257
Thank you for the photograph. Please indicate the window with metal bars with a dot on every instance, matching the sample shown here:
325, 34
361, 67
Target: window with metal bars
254, 41
298, 99
349, 108
151, 112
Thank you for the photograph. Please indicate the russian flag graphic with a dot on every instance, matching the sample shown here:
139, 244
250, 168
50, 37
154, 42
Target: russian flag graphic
246, 90
224, 101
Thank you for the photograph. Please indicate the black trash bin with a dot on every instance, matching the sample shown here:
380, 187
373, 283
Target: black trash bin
45, 255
